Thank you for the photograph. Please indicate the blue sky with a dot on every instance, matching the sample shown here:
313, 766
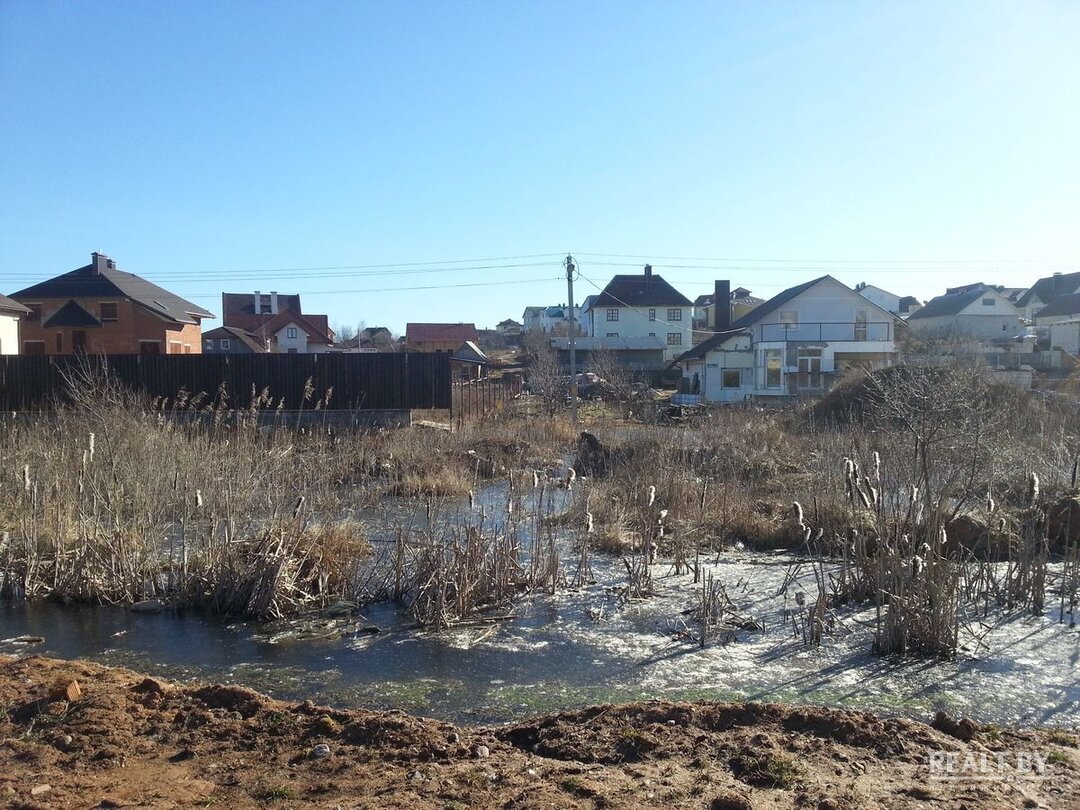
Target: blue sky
249, 145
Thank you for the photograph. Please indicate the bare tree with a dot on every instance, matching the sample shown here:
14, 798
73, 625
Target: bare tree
543, 373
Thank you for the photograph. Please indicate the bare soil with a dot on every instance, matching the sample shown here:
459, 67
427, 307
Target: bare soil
118, 739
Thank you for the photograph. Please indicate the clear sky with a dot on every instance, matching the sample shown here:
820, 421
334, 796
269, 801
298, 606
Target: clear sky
238, 146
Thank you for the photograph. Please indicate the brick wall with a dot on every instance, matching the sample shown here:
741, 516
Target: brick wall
133, 325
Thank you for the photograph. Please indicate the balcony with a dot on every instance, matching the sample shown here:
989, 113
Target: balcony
823, 332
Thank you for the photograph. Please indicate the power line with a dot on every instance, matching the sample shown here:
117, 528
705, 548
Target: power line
411, 287
635, 309
991, 262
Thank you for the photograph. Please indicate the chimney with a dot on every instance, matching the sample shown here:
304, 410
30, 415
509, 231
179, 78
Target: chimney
258, 298
648, 271
273, 302
722, 306
99, 262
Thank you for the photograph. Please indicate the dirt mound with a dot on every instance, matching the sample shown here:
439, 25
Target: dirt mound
123, 739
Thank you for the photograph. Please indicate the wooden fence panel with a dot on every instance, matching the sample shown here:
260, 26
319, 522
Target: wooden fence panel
401, 381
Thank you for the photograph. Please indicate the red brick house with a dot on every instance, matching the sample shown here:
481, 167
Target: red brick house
100, 309
439, 337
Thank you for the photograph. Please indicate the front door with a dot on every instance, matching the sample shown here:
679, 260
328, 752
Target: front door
810, 377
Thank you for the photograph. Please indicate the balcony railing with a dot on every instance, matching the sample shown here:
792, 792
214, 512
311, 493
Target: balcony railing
837, 332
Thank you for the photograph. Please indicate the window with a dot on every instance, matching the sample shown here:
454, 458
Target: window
59, 342
773, 359
652, 334
1005, 327
731, 378
613, 314
264, 305
208, 345
291, 333
34, 315
226, 344
108, 311
988, 302
612, 334
149, 347
33, 347
652, 314
789, 318
175, 347
674, 338
674, 314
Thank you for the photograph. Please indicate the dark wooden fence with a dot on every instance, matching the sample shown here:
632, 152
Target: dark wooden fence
473, 399
401, 381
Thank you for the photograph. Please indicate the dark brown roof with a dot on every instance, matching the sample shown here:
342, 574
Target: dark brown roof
423, 332
11, 306
109, 282
640, 291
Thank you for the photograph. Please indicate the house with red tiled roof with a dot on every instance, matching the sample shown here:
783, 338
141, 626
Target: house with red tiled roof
439, 337
292, 333
276, 319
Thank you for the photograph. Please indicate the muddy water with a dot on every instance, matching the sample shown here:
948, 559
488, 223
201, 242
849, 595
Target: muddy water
580, 647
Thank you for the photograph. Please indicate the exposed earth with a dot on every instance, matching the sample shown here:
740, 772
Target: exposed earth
80, 735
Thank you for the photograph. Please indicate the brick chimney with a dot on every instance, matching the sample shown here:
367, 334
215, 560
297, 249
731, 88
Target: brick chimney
99, 262
722, 306
648, 272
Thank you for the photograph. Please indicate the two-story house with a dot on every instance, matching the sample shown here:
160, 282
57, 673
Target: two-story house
644, 306
552, 320
101, 309
974, 311
795, 344
277, 320
11, 312
1045, 291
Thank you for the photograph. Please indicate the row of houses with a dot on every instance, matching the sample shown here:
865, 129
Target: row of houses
100, 309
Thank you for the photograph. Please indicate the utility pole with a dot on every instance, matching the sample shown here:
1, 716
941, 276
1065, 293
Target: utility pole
570, 268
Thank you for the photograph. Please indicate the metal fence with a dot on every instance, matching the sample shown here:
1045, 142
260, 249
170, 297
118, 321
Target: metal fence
398, 381
473, 399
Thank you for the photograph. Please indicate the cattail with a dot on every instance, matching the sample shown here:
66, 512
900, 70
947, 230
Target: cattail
990, 504
91, 448
588, 523
914, 493
298, 507
652, 495
863, 497
571, 476
509, 506
877, 466
472, 500
797, 508
536, 479
309, 389
198, 499
26, 477
1033, 489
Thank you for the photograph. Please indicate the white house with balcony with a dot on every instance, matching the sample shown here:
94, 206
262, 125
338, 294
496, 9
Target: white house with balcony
795, 344
642, 306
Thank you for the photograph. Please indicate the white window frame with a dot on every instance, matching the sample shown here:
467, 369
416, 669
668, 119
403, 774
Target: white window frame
674, 338
290, 332
674, 314
612, 314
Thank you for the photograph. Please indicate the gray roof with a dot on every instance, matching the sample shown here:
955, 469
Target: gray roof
1051, 288
11, 306
640, 291
232, 333
950, 304
776, 302
109, 282
706, 346
1064, 305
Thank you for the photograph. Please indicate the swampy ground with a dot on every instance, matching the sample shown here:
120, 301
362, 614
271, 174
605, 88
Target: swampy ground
120, 739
